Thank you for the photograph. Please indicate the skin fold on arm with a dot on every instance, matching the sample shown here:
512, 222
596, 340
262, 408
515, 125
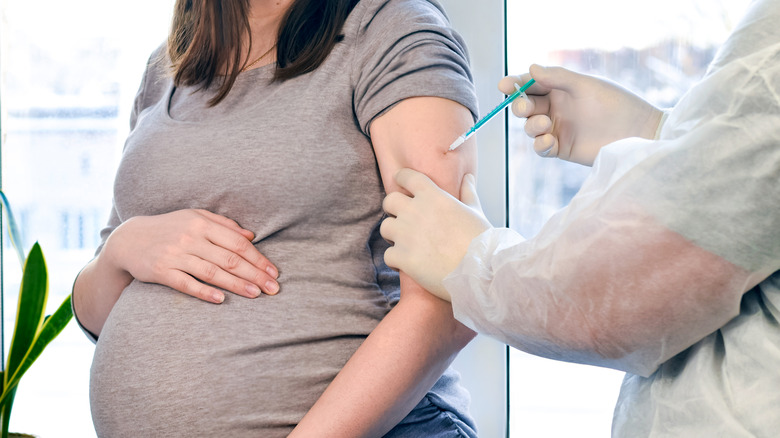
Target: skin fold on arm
413, 345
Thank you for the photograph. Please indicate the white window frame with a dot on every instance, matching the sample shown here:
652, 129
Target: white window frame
483, 364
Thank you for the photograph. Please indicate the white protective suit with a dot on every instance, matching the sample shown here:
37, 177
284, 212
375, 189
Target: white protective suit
665, 264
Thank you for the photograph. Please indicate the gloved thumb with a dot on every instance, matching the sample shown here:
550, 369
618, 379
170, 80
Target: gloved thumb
468, 192
553, 77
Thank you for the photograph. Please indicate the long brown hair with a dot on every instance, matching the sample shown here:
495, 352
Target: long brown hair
207, 35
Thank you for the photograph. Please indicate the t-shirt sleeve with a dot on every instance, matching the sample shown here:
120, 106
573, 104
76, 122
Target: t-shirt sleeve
407, 48
152, 88
153, 84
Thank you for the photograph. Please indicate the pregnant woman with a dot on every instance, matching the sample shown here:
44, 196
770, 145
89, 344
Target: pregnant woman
240, 288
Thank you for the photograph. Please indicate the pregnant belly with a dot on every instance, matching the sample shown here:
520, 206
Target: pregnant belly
169, 365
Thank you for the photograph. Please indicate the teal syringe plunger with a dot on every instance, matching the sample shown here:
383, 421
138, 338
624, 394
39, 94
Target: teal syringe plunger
520, 91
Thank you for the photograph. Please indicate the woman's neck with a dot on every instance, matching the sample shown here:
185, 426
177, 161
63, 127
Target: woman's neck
265, 17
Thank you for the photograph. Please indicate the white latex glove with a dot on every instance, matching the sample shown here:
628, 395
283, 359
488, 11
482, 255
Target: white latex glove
431, 230
572, 116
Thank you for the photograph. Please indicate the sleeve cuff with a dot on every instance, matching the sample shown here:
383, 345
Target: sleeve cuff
469, 284
661, 123
92, 337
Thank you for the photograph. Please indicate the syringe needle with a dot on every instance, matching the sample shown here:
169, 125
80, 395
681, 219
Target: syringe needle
520, 91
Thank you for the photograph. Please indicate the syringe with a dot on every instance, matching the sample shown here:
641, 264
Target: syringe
520, 91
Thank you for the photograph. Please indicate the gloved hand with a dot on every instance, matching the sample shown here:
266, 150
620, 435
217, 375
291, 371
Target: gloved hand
572, 116
431, 230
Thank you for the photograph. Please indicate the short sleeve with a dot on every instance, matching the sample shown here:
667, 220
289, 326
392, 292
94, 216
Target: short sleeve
404, 49
153, 84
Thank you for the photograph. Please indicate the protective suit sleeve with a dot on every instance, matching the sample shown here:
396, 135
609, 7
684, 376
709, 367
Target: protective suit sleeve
656, 250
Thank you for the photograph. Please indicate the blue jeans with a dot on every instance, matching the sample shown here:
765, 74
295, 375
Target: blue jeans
428, 420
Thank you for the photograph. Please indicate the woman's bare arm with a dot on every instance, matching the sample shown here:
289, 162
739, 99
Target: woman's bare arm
415, 343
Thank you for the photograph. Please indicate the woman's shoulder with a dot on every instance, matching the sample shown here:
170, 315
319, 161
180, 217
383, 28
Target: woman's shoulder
158, 72
156, 80
380, 16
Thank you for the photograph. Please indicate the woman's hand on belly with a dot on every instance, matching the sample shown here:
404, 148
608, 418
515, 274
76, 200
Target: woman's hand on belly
192, 251
177, 249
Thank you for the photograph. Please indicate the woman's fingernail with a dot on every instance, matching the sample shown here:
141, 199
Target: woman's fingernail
253, 290
218, 297
546, 152
272, 287
272, 271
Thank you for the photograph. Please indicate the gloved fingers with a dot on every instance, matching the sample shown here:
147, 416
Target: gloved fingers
507, 85
413, 181
393, 257
389, 229
529, 106
395, 202
522, 107
549, 78
538, 125
546, 146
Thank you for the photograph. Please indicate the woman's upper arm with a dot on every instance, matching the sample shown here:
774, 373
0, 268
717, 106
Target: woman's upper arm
416, 133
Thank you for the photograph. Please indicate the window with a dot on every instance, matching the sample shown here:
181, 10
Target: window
657, 50
70, 71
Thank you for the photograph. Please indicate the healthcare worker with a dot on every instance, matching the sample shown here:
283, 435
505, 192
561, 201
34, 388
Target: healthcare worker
664, 265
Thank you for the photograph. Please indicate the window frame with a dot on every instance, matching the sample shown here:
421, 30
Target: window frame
484, 363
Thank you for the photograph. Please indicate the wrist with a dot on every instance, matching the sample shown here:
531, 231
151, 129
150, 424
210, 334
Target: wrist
109, 260
661, 121
654, 122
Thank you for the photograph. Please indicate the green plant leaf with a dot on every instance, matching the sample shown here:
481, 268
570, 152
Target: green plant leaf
7, 406
30, 310
54, 325
13, 229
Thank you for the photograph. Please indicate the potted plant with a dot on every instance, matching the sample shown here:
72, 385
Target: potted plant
33, 331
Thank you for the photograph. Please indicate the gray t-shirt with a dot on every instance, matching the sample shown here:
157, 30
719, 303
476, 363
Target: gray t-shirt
291, 161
